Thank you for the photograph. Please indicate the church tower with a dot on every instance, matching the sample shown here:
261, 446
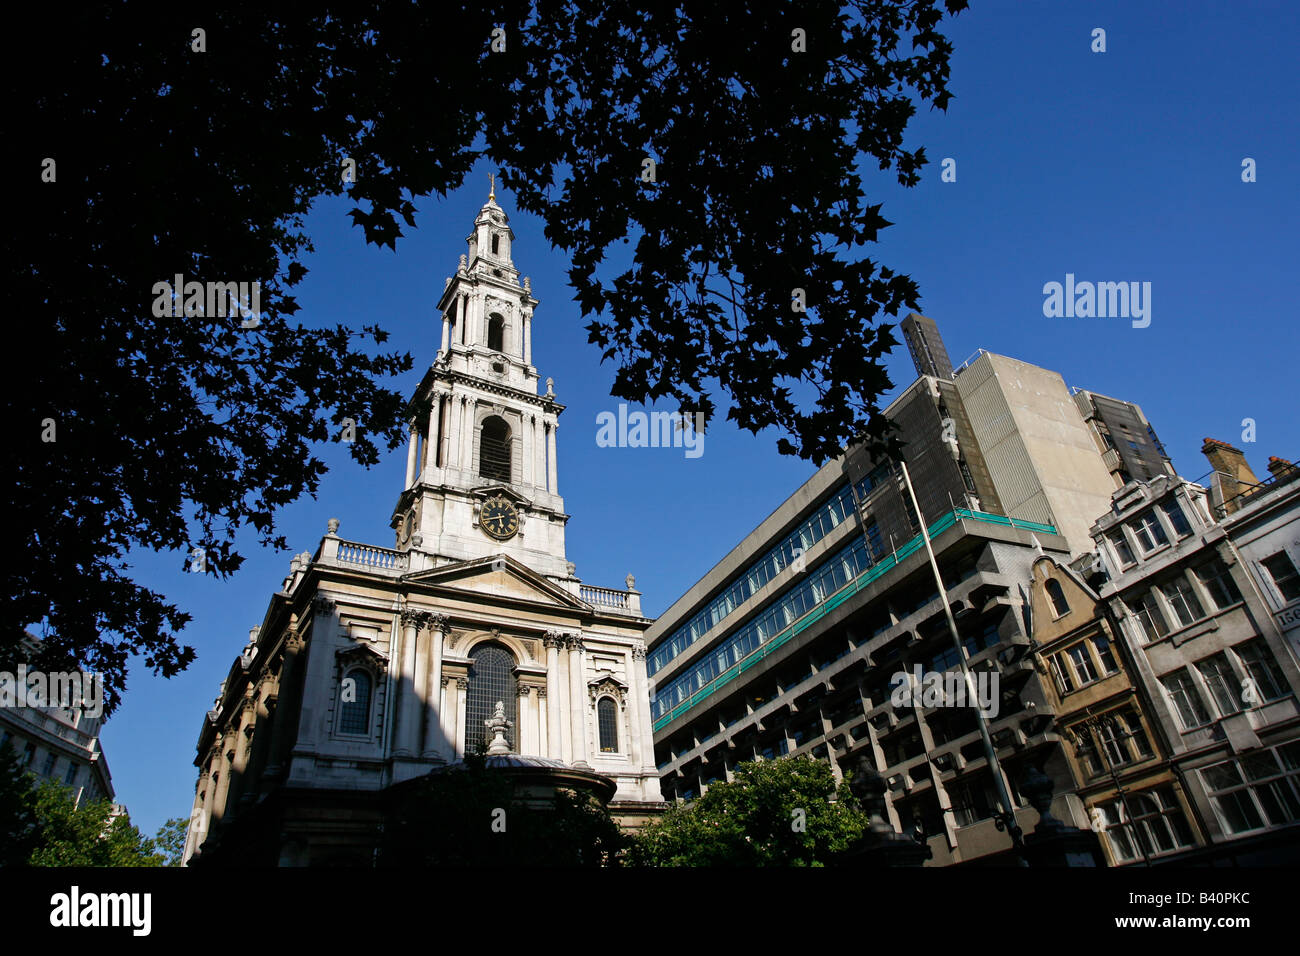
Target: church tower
481, 469
374, 667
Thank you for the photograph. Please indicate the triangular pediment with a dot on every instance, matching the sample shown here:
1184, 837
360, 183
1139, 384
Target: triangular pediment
499, 576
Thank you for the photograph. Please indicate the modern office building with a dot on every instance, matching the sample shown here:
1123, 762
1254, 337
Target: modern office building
1127, 441
795, 641
373, 666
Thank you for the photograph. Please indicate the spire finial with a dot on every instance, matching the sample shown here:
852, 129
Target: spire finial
492, 191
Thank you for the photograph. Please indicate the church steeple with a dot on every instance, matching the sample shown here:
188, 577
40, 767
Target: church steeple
483, 444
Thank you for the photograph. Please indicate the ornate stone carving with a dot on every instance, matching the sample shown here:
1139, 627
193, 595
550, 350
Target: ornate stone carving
497, 726
462, 683
322, 605
541, 692
638, 652
417, 618
438, 622
333, 525
574, 643
630, 582
524, 690
553, 639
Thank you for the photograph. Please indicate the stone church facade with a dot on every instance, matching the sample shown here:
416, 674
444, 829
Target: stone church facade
373, 666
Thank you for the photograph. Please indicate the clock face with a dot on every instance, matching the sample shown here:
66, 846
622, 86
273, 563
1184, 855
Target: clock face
498, 517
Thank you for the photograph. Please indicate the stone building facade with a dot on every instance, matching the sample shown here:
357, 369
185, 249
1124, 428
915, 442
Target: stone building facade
376, 665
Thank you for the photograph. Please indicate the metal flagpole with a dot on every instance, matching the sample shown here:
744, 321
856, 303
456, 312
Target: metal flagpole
1005, 817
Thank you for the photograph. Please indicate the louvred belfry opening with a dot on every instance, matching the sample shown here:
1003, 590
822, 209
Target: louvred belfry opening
494, 450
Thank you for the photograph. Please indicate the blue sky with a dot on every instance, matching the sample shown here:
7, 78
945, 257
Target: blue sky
1115, 166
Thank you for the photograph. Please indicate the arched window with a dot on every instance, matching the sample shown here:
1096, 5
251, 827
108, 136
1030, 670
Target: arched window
496, 333
496, 244
491, 679
1059, 604
494, 449
607, 721
354, 702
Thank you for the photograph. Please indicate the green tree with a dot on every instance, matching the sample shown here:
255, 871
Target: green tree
472, 817
92, 834
19, 831
785, 812
170, 840
160, 142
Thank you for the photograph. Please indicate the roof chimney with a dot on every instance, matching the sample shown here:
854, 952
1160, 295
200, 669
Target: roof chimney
1232, 475
1282, 469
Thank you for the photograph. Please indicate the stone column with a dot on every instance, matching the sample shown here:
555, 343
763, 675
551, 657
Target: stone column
523, 721
539, 453
446, 331
418, 703
450, 457
460, 303
636, 689
225, 763
467, 435
577, 701
261, 737
434, 743
243, 744
642, 703
447, 714
528, 338
554, 697
406, 738
528, 449
543, 744
280, 745
551, 485
462, 691
410, 457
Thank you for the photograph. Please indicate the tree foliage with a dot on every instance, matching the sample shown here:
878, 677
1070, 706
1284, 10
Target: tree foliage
42, 825
786, 812
471, 816
169, 841
174, 433
19, 832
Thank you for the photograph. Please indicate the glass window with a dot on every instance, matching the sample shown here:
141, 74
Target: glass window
1183, 601
70, 778
1122, 550
50, 760
1218, 582
1176, 518
1186, 699
1060, 605
1082, 662
1222, 683
607, 719
1149, 532
1254, 792
1262, 667
491, 680
354, 702
1064, 684
1149, 616
1282, 569
1104, 654
1157, 825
